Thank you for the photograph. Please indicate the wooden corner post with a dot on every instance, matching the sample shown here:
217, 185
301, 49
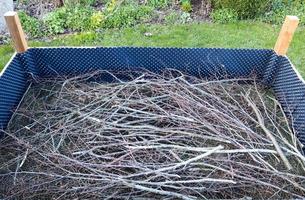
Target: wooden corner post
286, 35
16, 31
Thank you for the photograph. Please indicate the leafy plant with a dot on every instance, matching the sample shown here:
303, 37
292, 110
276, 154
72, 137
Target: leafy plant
172, 18
186, 6
224, 16
55, 22
31, 25
245, 9
127, 16
79, 18
97, 20
281, 8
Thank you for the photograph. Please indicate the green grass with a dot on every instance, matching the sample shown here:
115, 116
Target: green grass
238, 35
6, 53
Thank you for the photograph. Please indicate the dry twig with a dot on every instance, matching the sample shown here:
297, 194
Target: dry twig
150, 136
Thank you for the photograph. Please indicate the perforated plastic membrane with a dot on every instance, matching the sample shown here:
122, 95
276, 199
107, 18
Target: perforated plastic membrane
67, 61
13, 84
271, 70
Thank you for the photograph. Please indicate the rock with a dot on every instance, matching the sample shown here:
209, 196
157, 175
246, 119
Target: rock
5, 5
148, 34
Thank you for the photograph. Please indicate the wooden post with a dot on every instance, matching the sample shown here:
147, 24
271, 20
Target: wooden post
16, 31
286, 34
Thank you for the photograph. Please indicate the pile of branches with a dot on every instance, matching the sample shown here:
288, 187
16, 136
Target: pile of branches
147, 135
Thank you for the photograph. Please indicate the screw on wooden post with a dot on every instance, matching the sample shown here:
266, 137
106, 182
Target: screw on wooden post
16, 31
286, 34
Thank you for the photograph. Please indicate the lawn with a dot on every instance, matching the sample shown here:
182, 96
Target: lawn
238, 35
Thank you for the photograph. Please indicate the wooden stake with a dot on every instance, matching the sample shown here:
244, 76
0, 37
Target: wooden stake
16, 31
286, 34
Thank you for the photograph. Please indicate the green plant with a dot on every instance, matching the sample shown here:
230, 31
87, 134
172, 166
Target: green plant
97, 20
79, 18
158, 3
31, 25
86, 38
88, 2
55, 22
245, 9
171, 18
224, 16
111, 5
127, 16
281, 8
79, 2
186, 6
185, 18
234, 35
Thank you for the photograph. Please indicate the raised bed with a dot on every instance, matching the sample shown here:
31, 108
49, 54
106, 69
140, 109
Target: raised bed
271, 68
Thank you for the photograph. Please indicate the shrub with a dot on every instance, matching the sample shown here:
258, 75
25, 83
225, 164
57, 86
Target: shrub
127, 16
246, 9
224, 16
31, 25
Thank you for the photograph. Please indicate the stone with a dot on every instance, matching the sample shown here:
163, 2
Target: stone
5, 5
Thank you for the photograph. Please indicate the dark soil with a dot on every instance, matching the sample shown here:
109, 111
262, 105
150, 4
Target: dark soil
201, 9
37, 8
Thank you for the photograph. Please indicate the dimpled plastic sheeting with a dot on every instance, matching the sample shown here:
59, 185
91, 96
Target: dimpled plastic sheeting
271, 70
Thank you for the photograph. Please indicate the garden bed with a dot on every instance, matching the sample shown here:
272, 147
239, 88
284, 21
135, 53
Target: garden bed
48, 18
148, 135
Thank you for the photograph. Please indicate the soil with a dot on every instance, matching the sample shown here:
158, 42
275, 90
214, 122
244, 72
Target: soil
201, 9
37, 8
